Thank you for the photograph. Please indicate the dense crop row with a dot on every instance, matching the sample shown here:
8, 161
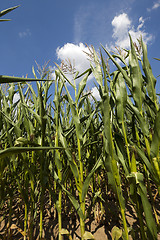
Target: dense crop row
66, 149
71, 149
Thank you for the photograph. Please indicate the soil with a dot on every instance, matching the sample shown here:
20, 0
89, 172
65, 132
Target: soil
99, 223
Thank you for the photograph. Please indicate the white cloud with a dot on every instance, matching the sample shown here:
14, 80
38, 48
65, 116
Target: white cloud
75, 53
16, 97
25, 33
155, 6
52, 72
141, 23
122, 25
95, 93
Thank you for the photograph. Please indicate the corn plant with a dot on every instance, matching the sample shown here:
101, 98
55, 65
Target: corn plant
60, 145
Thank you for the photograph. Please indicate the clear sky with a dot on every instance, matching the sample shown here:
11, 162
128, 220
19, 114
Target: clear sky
54, 30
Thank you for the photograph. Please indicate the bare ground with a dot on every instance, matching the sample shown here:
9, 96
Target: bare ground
100, 222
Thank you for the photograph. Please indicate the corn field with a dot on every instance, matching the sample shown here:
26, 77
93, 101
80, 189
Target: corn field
68, 156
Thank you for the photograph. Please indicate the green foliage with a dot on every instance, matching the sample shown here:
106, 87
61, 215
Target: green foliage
67, 148
4, 12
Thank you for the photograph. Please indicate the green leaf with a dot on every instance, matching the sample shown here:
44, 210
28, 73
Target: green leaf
2, 13
148, 212
71, 197
121, 154
75, 116
147, 163
24, 141
72, 163
8, 79
37, 117
88, 235
11, 92
88, 70
5, 20
116, 233
156, 137
126, 77
96, 68
136, 77
81, 86
88, 178
64, 231
150, 79
15, 126
16, 150
121, 59
89, 121
141, 120
97, 72
121, 97
151, 225
60, 72
34, 96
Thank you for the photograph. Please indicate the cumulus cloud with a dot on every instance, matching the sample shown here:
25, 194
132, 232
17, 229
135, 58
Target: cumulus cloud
75, 54
141, 23
16, 97
95, 93
52, 72
122, 25
25, 33
155, 6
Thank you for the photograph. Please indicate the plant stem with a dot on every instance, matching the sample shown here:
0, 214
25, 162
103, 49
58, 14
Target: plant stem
60, 207
41, 215
25, 221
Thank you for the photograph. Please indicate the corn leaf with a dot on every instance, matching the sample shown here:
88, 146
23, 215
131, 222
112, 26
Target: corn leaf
75, 116
121, 97
81, 86
2, 13
8, 79
71, 197
126, 77
150, 79
146, 161
72, 163
16, 150
140, 118
88, 235
116, 233
60, 72
88, 178
156, 137
136, 77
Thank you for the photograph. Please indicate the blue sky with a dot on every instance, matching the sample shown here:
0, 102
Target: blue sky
45, 30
